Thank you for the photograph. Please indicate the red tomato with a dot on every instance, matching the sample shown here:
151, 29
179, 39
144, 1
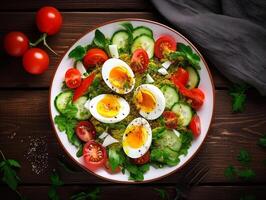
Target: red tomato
73, 78
94, 155
94, 57
16, 43
85, 131
194, 125
181, 75
163, 44
49, 20
143, 159
85, 84
35, 61
139, 61
109, 169
170, 119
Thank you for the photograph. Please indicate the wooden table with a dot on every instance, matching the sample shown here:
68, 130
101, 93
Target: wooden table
24, 118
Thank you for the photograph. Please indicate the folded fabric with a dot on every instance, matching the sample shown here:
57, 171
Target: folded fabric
230, 34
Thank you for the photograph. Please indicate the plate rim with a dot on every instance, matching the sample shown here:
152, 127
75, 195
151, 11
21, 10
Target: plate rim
122, 20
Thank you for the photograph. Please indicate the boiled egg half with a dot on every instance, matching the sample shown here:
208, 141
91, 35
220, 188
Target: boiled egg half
118, 76
150, 101
137, 138
109, 108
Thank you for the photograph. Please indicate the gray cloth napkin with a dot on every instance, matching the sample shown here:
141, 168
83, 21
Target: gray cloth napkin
230, 33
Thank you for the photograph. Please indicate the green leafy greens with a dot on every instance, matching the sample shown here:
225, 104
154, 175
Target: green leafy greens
77, 53
262, 141
238, 94
90, 194
55, 183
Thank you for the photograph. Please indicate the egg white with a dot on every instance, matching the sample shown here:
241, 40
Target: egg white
136, 153
123, 112
159, 98
106, 69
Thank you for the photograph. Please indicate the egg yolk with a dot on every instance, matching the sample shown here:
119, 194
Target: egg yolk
145, 101
108, 106
135, 136
120, 78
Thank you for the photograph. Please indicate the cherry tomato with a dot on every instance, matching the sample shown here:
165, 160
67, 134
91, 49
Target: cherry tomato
94, 57
35, 61
139, 61
181, 75
109, 169
16, 43
83, 88
49, 20
85, 131
197, 97
94, 155
73, 78
170, 119
194, 125
143, 159
164, 44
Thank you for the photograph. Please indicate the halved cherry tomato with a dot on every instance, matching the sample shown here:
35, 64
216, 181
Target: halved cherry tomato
109, 169
139, 61
85, 130
164, 44
16, 43
170, 119
94, 155
197, 97
181, 75
195, 126
49, 20
73, 78
84, 86
35, 61
94, 57
143, 159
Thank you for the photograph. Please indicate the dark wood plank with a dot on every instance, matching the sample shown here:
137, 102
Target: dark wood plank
24, 117
75, 25
9, 5
144, 192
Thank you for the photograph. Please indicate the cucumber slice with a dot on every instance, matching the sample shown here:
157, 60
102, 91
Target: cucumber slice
82, 113
194, 78
145, 42
62, 100
184, 113
171, 95
121, 39
142, 30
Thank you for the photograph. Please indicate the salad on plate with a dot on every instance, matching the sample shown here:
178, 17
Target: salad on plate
130, 101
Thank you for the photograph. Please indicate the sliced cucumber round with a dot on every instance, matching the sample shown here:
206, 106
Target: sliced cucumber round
83, 113
194, 78
121, 39
184, 113
144, 42
142, 30
170, 94
62, 100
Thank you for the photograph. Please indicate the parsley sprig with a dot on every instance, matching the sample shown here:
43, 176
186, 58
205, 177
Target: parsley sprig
56, 182
8, 168
244, 173
162, 193
238, 94
90, 194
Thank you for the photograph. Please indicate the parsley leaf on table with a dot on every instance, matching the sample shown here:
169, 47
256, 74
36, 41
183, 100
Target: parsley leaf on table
246, 174
230, 172
238, 94
262, 141
55, 183
8, 169
244, 157
163, 194
90, 194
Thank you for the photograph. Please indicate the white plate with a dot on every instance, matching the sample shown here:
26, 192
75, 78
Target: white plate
205, 113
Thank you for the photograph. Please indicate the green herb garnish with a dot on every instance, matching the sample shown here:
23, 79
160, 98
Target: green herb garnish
55, 183
100, 40
163, 194
78, 53
238, 94
262, 141
90, 194
244, 157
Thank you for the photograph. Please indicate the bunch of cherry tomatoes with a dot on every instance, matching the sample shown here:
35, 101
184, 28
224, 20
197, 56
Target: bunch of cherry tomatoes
35, 60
